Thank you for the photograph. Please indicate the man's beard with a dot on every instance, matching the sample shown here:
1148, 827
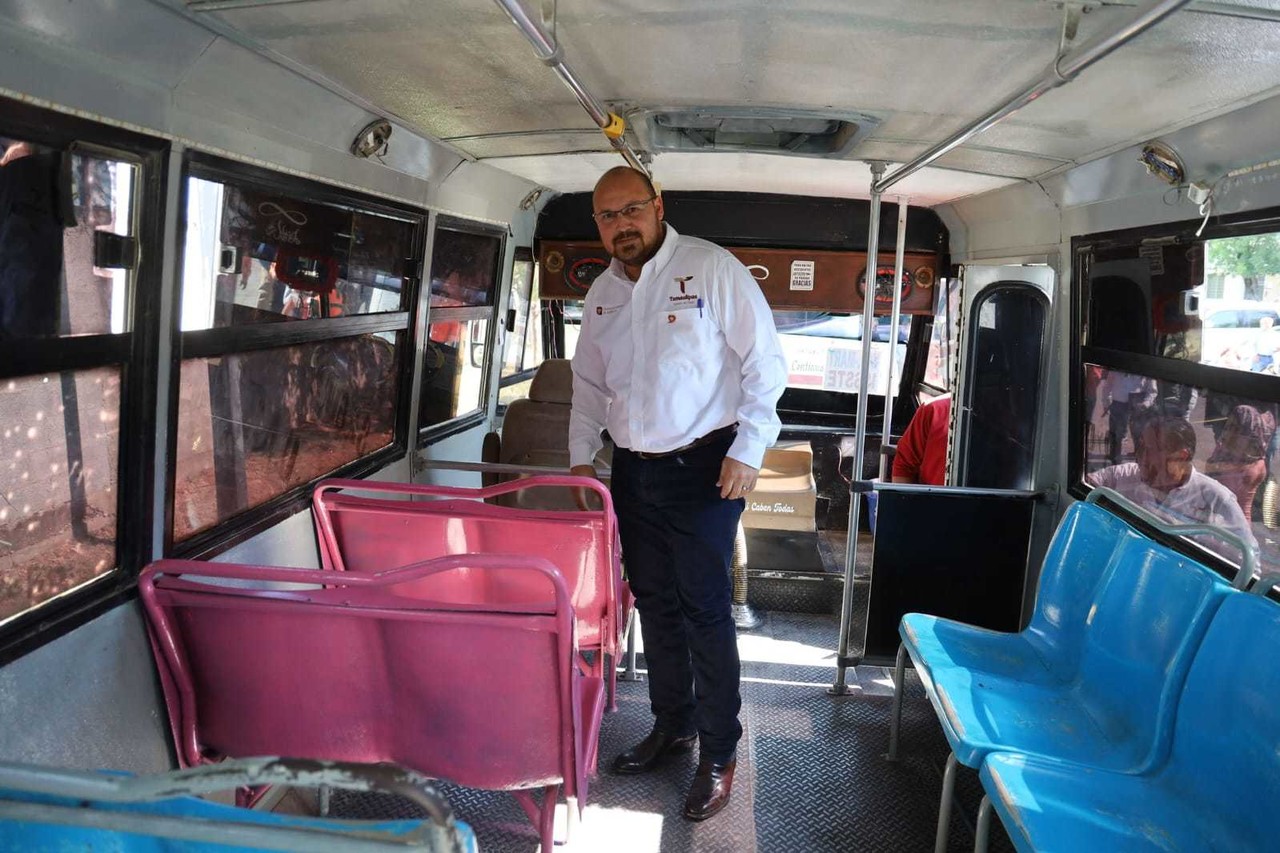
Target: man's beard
636, 253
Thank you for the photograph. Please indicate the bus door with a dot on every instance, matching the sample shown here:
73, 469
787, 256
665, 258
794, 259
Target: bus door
970, 564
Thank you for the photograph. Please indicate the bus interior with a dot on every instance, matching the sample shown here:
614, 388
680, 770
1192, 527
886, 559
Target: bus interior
251, 246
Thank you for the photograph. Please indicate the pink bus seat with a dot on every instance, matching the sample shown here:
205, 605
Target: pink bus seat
785, 496
353, 671
384, 527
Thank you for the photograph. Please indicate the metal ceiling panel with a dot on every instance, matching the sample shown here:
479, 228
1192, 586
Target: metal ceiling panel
459, 70
1189, 68
452, 68
153, 48
1009, 164
767, 173
539, 142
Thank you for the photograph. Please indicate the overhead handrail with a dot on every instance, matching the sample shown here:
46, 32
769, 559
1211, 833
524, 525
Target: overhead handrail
612, 125
1062, 70
1248, 560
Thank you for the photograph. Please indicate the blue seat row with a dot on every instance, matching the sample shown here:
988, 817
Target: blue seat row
51, 809
1096, 678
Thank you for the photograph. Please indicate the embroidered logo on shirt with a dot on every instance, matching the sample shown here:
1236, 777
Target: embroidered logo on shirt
671, 318
681, 279
686, 298
602, 310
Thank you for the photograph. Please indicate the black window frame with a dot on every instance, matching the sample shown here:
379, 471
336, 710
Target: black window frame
230, 340
135, 352
1245, 384
433, 433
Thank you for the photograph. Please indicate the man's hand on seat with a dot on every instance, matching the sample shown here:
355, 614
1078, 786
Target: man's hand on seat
585, 498
736, 478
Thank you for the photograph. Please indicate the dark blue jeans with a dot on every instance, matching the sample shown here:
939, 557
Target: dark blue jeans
677, 541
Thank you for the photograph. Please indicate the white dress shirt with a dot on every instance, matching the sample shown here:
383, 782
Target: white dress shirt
1200, 500
688, 348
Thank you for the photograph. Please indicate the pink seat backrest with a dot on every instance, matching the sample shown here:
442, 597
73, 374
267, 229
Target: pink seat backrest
364, 533
355, 672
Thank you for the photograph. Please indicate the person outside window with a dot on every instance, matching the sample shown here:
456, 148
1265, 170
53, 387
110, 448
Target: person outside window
1239, 459
679, 358
1165, 482
922, 450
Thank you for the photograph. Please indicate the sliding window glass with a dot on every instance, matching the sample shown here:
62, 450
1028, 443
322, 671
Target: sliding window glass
465, 273
294, 339
75, 204
522, 352
1177, 380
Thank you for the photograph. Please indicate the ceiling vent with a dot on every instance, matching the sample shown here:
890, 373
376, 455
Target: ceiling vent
806, 133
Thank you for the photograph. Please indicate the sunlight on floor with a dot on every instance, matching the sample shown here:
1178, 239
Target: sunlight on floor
754, 648
613, 829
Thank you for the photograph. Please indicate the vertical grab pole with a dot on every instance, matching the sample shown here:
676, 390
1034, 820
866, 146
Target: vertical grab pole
895, 319
840, 688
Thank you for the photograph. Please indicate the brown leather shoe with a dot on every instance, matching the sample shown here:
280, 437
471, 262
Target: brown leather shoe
648, 753
710, 790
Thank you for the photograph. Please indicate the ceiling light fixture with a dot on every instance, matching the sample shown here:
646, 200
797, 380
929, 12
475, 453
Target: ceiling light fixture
373, 140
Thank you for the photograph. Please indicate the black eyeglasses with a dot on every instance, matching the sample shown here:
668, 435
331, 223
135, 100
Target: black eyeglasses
631, 211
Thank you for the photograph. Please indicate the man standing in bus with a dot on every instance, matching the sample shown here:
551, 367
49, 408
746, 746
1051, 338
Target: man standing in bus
679, 359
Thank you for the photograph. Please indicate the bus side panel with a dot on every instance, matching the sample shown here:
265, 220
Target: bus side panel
89, 699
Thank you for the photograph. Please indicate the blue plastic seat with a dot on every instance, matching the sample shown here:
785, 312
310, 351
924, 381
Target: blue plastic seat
1049, 648
1218, 788
55, 810
1094, 678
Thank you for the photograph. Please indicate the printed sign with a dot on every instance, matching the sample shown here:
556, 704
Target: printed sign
1154, 256
802, 275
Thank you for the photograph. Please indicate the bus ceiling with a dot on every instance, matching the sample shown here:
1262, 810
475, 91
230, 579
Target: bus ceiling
791, 100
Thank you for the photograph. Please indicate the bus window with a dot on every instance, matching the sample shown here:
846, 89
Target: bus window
1187, 454
256, 255
571, 319
259, 416
67, 244
523, 350
255, 425
61, 443
1189, 430
68, 257
464, 281
821, 354
1002, 396
1211, 302
940, 366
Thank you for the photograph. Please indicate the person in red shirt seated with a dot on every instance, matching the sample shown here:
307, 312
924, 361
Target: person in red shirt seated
922, 452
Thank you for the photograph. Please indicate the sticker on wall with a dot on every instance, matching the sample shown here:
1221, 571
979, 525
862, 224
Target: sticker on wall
1154, 256
802, 275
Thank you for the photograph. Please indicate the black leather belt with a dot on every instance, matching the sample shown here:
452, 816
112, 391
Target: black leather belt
714, 435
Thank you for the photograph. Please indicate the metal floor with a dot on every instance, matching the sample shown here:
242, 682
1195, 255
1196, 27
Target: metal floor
811, 774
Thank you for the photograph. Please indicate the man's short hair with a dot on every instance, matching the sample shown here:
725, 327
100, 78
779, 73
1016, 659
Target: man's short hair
1174, 434
619, 170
